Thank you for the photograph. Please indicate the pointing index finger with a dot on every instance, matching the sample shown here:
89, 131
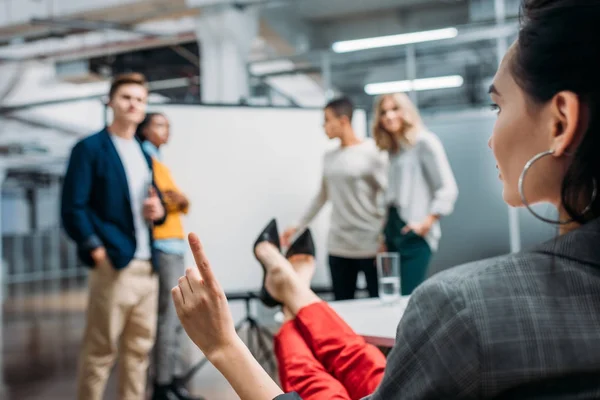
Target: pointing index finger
201, 260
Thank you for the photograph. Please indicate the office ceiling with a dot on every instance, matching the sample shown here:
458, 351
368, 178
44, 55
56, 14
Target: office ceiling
312, 26
298, 31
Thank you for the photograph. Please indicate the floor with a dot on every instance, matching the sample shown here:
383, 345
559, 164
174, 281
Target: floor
41, 338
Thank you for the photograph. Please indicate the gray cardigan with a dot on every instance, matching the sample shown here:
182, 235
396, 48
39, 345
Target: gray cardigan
521, 326
421, 183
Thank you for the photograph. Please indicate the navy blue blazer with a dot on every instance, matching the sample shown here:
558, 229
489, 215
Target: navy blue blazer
96, 206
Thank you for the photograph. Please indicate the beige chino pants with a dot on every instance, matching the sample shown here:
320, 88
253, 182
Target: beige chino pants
121, 320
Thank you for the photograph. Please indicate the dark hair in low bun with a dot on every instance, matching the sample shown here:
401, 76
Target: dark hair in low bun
558, 49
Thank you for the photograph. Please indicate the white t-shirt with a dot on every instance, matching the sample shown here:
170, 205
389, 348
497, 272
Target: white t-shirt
354, 180
139, 179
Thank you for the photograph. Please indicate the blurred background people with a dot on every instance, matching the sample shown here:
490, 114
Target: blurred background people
169, 242
421, 186
354, 176
109, 203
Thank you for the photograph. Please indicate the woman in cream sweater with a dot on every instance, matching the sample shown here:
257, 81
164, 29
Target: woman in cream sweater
421, 186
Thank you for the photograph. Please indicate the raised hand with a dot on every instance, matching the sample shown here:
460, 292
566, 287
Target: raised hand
202, 306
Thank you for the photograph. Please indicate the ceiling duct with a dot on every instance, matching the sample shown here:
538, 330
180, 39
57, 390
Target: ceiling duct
77, 71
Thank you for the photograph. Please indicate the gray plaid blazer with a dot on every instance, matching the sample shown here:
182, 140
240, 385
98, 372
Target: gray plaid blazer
521, 326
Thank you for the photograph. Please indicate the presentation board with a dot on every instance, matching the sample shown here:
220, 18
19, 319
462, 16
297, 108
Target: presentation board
242, 166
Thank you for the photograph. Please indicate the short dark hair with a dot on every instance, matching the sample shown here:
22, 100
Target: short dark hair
139, 132
557, 50
126, 79
342, 106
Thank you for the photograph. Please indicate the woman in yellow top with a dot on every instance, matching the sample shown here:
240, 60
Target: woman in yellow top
170, 245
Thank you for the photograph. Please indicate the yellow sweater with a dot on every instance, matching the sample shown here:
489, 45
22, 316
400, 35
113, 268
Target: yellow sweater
173, 227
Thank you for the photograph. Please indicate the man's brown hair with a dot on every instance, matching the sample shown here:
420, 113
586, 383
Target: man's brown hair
125, 79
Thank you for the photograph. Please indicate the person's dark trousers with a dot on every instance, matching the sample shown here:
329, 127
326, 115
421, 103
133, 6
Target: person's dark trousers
344, 273
414, 251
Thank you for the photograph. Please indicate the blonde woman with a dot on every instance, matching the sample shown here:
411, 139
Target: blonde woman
421, 186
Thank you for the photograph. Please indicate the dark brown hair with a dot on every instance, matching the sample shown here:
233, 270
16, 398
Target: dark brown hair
558, 49
342, 106
127, 79
139, 132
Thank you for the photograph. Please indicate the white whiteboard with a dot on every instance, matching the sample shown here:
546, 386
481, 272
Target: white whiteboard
242, 166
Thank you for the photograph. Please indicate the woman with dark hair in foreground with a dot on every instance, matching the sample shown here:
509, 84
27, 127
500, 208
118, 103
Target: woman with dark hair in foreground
525, 325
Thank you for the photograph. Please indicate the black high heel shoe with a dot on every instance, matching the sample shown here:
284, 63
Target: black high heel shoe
269, 234
303, 244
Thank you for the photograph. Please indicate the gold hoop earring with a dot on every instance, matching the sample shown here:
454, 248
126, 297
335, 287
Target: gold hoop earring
526, 203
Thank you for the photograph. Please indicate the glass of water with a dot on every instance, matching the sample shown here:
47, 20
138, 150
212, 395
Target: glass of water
388, 272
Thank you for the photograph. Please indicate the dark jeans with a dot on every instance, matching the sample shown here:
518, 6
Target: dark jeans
344, 272
414, 251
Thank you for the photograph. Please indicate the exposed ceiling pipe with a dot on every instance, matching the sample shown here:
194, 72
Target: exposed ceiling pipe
8, 110
207, 4
95, 26
39, 124
107, 48
101, 96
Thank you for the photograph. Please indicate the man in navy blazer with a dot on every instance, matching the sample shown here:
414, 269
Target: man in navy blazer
109, 205
93, 211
